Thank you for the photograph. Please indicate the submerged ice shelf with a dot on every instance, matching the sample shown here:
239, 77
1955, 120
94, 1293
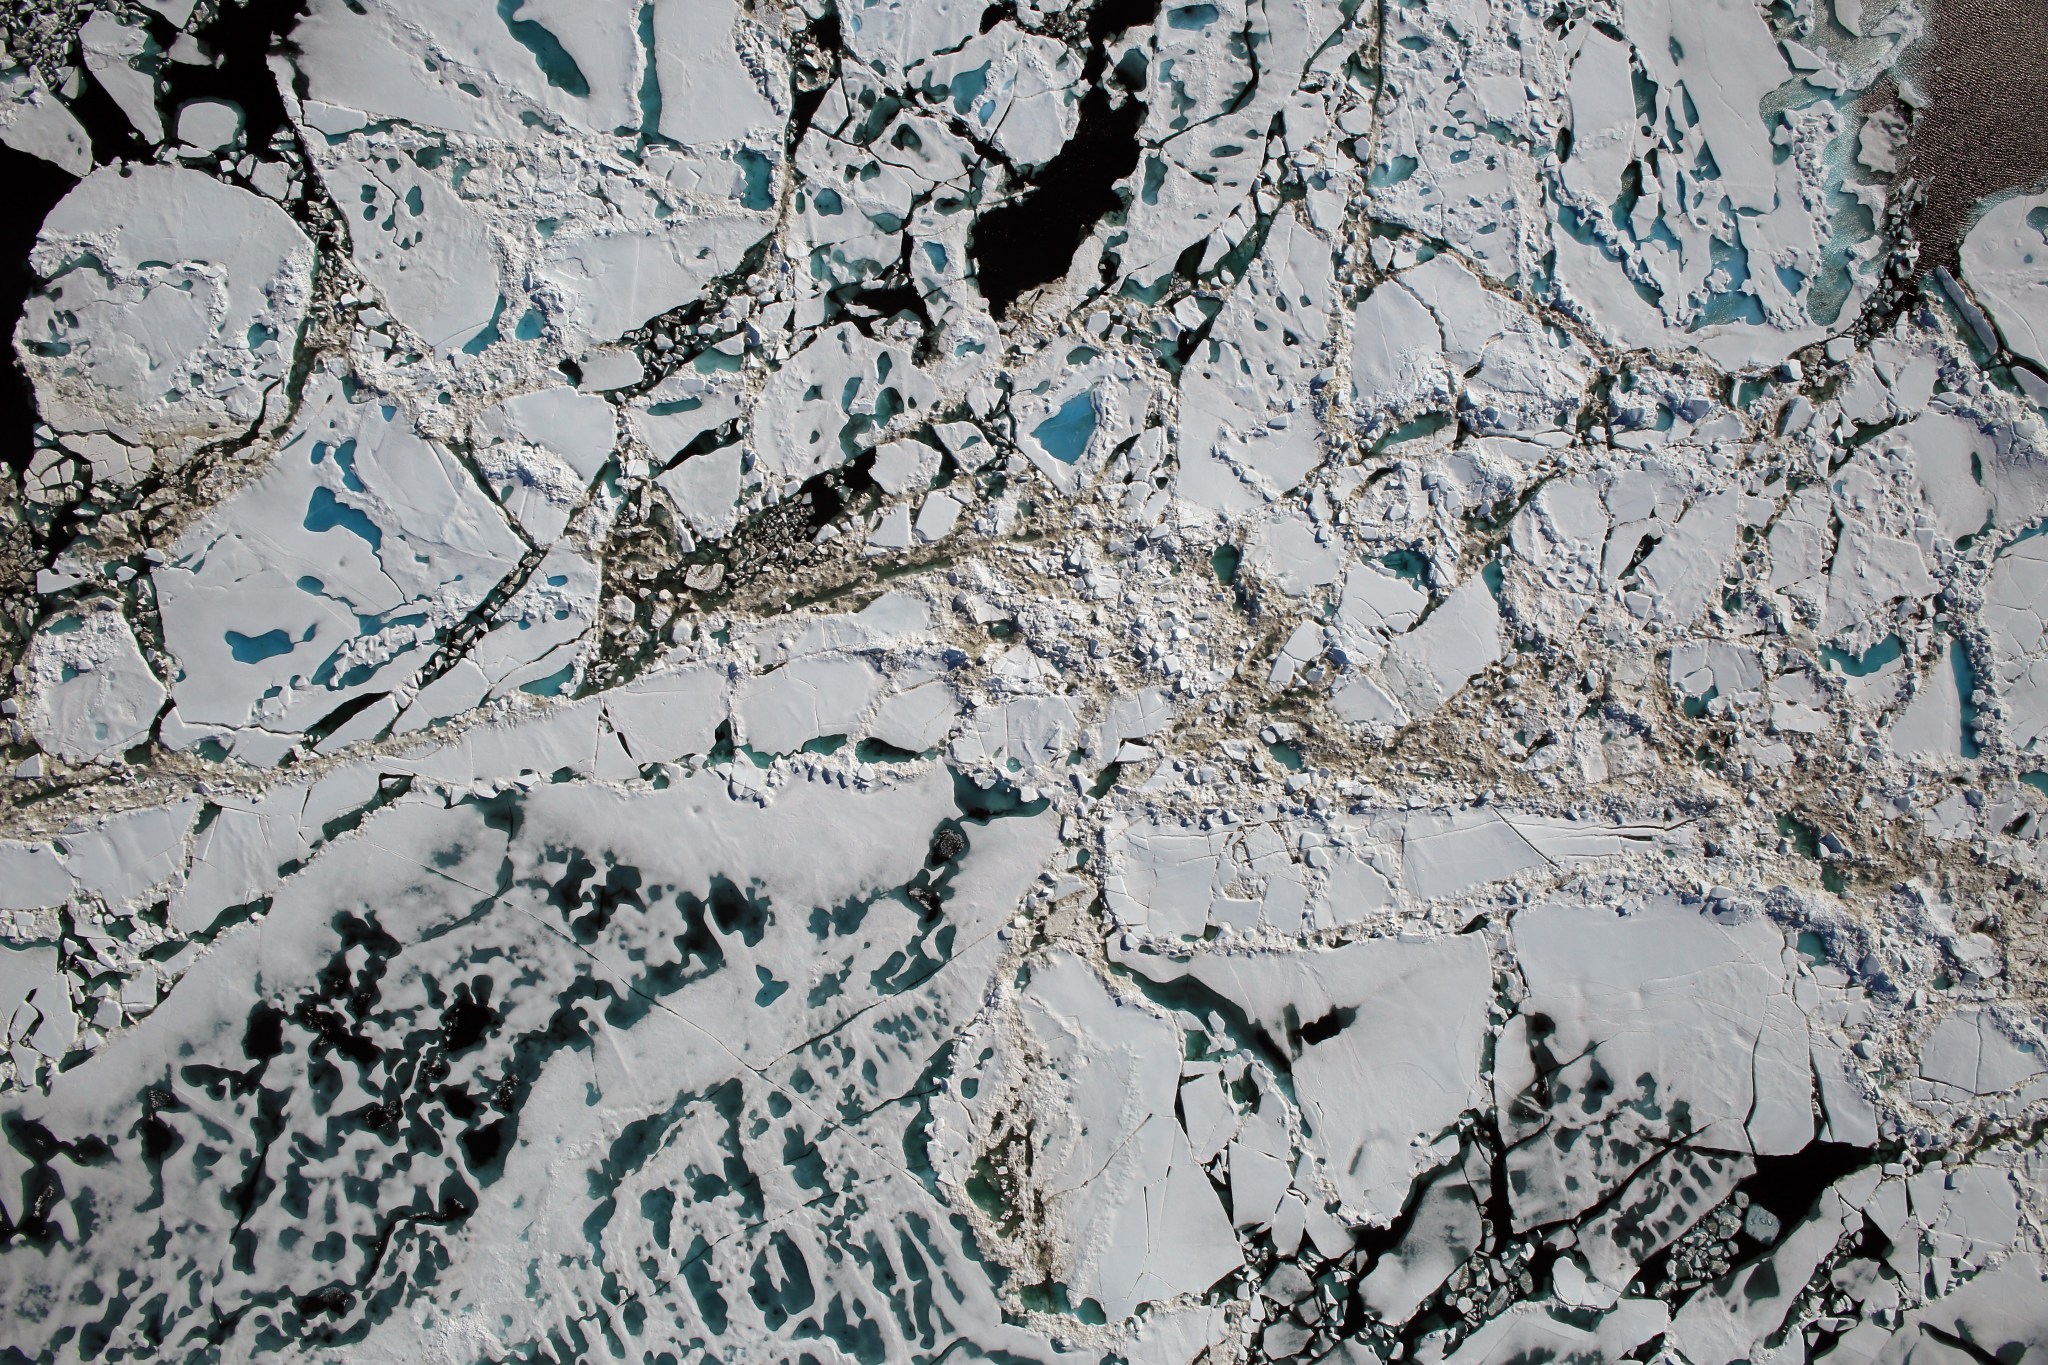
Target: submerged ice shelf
1064, 681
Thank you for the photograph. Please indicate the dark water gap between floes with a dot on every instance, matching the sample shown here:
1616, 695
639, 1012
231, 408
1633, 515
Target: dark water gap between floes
1031, 239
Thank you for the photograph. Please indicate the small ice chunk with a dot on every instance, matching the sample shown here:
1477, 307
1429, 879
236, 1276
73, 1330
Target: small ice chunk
893, 532
209, 125
1287, 550
905, 466
1300, 649
606, 370
935, 520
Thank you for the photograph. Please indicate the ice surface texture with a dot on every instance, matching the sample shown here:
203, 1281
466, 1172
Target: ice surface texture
1065, 681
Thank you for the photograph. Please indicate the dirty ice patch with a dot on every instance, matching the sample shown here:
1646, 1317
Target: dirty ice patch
1119, 1191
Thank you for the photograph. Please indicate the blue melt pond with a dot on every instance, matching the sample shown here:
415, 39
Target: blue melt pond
968, 86
344, 460
325, 512
1066, 433
254, 649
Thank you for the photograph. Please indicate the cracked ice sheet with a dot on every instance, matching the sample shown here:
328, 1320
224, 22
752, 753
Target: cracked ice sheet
1403, 1061
331, 577
1676, 1028
707, 794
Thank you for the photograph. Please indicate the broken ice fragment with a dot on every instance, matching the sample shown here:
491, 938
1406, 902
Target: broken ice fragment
90, 693
125, 855
123, 58
917, 719
35, 121
1970, 1050
2005, 261
171, 310
209, 125
32, 877
1288, 550
1430, 664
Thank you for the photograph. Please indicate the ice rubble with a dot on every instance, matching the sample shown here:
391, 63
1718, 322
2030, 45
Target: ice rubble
1422, 745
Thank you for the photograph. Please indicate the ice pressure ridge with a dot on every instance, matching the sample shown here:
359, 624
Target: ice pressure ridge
911, 681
